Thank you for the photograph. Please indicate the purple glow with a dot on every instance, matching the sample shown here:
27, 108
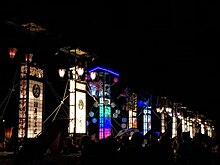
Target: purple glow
104, 69
115, 79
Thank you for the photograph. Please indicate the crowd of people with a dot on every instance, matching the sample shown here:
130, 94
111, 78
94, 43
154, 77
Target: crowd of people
139, 148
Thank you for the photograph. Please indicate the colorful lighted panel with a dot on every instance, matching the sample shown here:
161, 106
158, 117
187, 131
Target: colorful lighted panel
104, 118
80, 107
104, 103
30, 102
146, 111
146, 119
132, 111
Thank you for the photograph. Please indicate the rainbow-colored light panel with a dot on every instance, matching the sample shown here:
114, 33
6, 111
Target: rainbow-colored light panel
104, 118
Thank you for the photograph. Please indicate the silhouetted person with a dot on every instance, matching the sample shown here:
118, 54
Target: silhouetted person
68, 146
153, 148
185, 150
166, 150
88, 151
134, 151
201, 151
107, 151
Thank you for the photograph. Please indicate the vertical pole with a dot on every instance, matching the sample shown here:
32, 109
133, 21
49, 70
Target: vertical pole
27, 102
174, 121
162, 122
75, 96
104, 103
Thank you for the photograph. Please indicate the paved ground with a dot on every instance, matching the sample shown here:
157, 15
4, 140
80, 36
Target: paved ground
73, 159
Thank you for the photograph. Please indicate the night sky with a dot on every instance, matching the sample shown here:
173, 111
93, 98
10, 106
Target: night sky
166, 47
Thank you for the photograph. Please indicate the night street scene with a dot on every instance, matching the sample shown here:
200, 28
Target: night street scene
103, 83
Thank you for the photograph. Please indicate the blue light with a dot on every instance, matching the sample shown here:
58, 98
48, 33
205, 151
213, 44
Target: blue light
141, 103
104, 69
94, 120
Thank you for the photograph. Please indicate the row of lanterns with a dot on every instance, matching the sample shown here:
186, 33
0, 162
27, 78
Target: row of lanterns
79, 71
12, 52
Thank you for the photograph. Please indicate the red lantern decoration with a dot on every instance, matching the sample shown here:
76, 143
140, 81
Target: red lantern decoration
12, 52
28, 57
8, 132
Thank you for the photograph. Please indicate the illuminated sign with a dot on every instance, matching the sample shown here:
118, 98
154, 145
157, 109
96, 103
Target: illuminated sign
132, 111
35, 105
30, 103
33, 71
104, 118
80, 119
80, 112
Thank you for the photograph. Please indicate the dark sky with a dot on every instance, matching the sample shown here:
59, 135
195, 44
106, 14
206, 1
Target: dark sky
167, 47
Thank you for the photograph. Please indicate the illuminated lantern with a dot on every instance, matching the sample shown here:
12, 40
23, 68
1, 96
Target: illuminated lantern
115, 79
123, 125
62, 72
91, 114
93, 75
117, 111
8, 132
12, 52
80, 71
28, 57
113, 105
115, 115
94, 120
124, 119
